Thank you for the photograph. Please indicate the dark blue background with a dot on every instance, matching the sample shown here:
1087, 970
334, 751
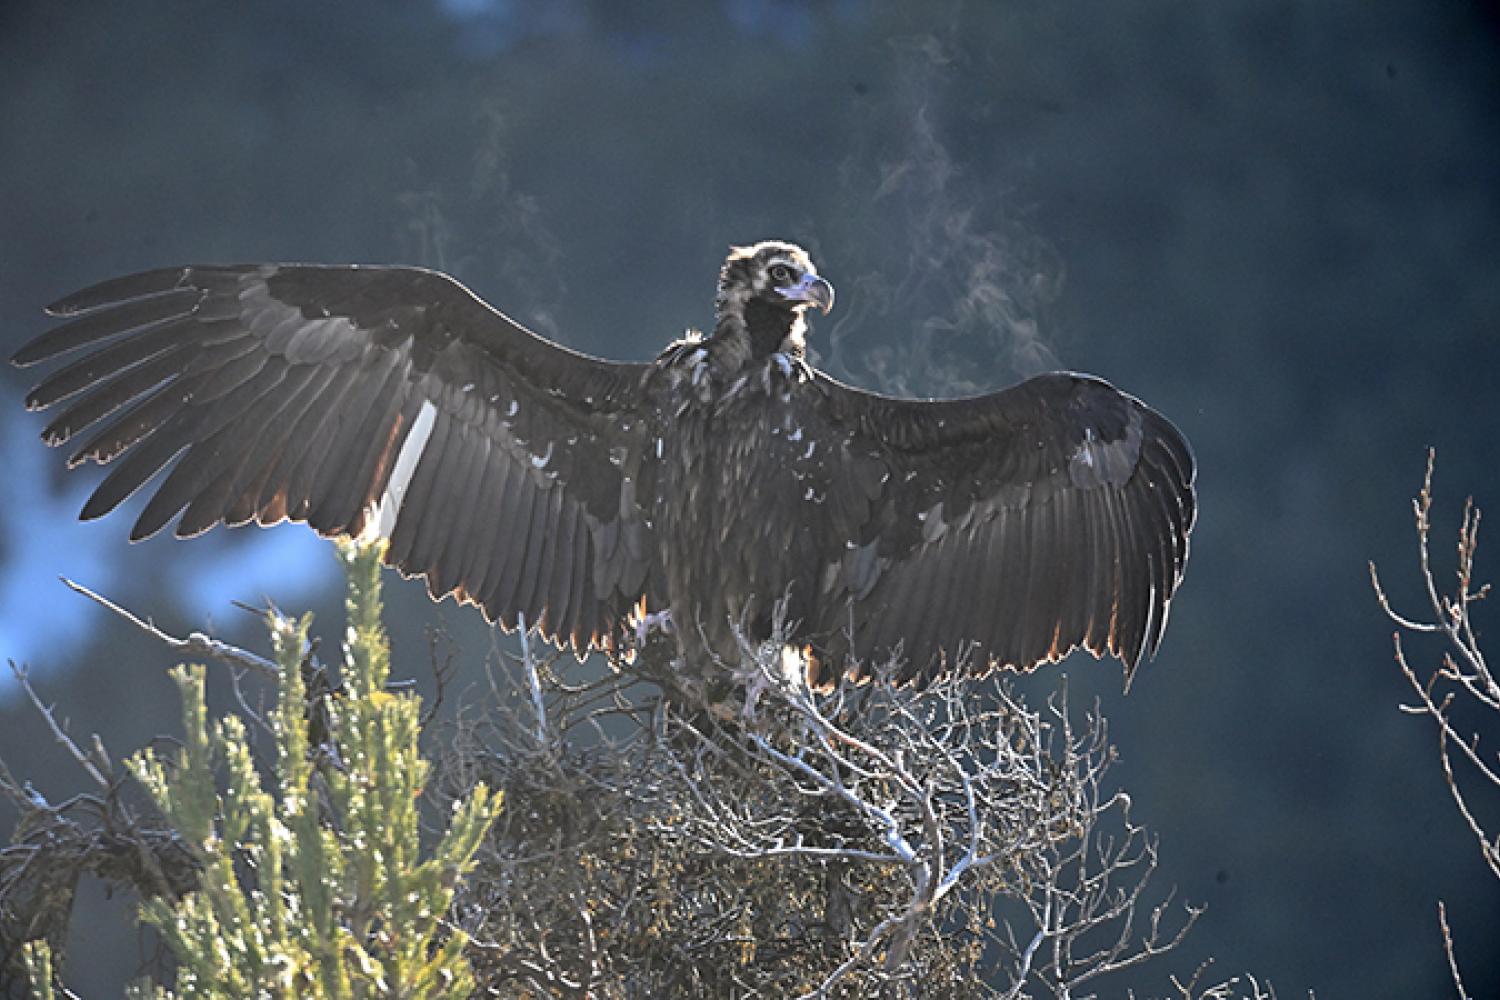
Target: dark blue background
1277, 222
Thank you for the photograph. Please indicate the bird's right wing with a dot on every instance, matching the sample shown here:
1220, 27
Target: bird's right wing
391, 400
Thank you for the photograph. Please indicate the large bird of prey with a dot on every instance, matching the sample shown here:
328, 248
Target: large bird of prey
1001, 530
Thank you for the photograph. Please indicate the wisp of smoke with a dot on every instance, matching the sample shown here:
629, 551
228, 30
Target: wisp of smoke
951, 291
451, 220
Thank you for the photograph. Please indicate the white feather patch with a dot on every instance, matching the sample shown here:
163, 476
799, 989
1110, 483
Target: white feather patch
383, 514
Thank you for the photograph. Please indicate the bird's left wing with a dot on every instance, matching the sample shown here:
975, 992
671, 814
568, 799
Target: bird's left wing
385, 400
1012, 527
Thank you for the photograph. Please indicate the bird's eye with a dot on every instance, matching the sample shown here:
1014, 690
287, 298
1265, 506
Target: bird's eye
781, 274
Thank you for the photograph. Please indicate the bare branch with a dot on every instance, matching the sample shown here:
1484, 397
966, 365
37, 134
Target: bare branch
195, 645
83, 760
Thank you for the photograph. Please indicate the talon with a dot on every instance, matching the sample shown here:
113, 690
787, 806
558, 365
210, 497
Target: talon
660, 621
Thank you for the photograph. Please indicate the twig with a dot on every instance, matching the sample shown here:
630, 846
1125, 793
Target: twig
533, 681
61, 735
196, 644
1458, 981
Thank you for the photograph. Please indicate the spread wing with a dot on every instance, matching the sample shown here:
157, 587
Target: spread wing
1012, 527
384, 400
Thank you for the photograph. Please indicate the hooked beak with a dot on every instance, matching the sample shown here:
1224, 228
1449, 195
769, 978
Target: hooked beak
811, 289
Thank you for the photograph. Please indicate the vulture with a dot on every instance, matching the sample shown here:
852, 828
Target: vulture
723, 484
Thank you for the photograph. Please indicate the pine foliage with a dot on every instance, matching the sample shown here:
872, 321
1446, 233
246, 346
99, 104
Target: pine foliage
313, 882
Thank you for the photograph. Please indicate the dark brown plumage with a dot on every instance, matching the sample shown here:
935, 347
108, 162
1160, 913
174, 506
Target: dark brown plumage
722, 477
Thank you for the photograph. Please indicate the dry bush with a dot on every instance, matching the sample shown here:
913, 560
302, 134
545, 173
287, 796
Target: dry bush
875, 841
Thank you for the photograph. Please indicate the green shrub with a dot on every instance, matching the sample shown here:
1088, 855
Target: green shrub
312, 882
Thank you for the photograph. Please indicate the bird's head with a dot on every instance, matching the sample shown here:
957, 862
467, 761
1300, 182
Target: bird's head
771, 275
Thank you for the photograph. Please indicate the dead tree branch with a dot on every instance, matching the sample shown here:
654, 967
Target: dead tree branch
195, 645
